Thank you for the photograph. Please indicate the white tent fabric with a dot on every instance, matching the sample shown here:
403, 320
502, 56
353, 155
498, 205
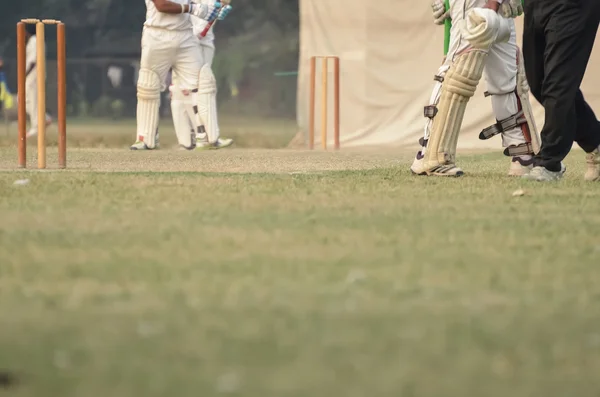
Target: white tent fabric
389, 52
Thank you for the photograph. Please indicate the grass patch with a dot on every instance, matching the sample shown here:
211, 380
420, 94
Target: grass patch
105, 133
363, 282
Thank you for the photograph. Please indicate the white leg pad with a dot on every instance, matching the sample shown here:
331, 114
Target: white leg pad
531, 132
514, 116
207, 103
184, 128
458, 87
505, 107
429, 112
148, 95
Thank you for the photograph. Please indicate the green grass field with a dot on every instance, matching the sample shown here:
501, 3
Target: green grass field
287, 273
102, 133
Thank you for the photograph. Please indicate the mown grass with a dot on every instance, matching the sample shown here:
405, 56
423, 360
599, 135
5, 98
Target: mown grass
368, 282
105, 133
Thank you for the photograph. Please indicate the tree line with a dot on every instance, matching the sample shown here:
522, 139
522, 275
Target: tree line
258, 39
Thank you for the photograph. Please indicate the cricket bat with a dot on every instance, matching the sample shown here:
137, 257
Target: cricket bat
211, 23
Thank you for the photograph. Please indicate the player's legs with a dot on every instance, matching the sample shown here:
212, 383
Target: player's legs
180, 102
510, 102
207, 106
457, 45
459, 86
31, 108
430, 111
201, 136
208, 54
569, 30
187, 69
485, 27
189, 61
159, 48
207, 95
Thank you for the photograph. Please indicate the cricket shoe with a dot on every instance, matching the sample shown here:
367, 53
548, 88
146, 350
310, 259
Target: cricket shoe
417, 167
219, 144
520, 165
188, 148
541, 174
448, 170
592, 173
140, 145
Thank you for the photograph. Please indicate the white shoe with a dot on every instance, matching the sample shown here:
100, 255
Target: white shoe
520, 165
592, 173
202, 144
224, 142
541, 174
192, 147
417, 166
139, 145
447, 170
31, 133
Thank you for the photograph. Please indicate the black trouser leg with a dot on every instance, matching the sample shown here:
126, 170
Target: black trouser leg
534, 44
587, 134
562, 34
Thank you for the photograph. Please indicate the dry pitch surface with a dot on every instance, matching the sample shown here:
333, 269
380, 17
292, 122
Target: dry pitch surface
275, 273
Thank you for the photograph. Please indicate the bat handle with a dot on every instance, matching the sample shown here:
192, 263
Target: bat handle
207, 28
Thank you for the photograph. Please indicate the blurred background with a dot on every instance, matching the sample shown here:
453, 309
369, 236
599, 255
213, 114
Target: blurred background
263, 50
255, 63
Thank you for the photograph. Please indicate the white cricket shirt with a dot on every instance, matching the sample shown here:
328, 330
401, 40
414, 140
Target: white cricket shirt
157, 19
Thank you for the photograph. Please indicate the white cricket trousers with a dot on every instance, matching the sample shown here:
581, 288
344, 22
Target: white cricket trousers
31, 104
178, 49
207, 54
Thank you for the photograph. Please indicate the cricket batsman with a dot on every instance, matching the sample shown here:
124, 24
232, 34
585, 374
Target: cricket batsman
168, 42
482, 43
201, 131
31, 89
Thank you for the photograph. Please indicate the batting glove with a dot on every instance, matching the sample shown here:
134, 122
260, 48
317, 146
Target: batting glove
511, 8
223, 12
208, 12
439, 12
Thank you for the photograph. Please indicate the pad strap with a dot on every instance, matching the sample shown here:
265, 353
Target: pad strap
487, 93
519, 150
506, 124
430, 111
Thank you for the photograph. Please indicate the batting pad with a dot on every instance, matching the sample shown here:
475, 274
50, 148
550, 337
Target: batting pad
148, 94
532, 134
458, 87
184, 130
207, 103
